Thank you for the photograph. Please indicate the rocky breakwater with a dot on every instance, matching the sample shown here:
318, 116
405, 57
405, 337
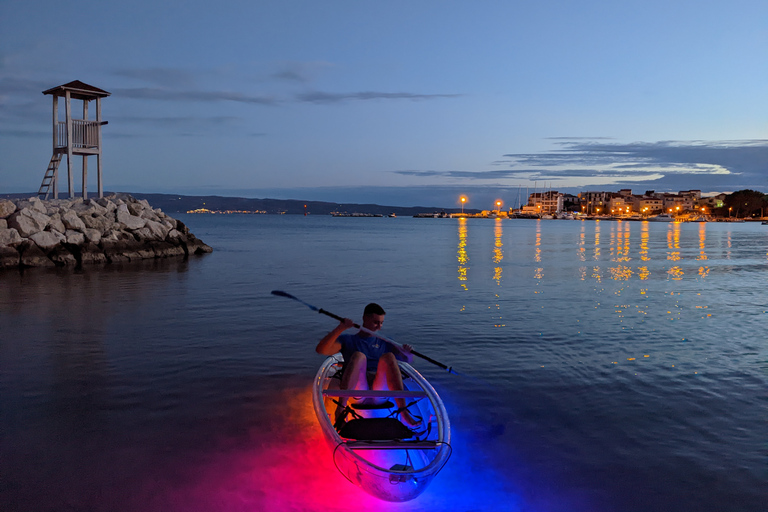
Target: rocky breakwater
76, 232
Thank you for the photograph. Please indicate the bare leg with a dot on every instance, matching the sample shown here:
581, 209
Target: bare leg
388, 376
353, 378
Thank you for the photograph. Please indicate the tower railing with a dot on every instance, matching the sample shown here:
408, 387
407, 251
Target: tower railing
85, 134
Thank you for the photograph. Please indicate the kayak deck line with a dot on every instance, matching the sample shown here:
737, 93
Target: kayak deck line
391, 445
373, 393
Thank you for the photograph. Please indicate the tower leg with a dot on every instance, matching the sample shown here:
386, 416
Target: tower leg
98, 178
85, 176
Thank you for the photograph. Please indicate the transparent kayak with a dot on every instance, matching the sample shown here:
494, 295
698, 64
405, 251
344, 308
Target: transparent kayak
374, 450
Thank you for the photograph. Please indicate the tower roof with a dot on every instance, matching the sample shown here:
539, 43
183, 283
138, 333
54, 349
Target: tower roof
78, 90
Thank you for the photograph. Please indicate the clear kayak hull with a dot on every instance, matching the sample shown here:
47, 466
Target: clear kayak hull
390, 469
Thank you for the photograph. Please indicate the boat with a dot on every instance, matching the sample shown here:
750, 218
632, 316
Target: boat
374, 450
662, 217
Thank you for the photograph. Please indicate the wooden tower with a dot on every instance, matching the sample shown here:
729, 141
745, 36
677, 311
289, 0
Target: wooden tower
74, 137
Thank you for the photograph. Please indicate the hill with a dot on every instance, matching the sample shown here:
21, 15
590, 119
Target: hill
170, 203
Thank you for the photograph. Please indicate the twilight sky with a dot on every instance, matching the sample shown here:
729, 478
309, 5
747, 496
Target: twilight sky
400, 102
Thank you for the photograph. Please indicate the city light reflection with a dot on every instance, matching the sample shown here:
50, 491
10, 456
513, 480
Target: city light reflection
498, 253
461, 255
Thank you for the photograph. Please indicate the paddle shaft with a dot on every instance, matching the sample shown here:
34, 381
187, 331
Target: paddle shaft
287, 295
426, 358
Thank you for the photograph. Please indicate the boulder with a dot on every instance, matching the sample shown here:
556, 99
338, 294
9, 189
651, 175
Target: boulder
107, 204
28, 221
101, 223
3, 224
130, 221
33, 256
6, 208
197, 246
91, 253
55, 224
33, 203
167, 249
9, 236
92, 235
72, 221
47, 239
62, 257
9, 257
135, 209
75, 237
158, 230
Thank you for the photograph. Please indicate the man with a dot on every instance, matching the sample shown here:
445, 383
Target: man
369, 362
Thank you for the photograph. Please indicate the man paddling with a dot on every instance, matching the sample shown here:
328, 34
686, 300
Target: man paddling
369, 362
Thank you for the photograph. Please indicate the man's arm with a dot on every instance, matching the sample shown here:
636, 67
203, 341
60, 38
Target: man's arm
329, 345
403, 354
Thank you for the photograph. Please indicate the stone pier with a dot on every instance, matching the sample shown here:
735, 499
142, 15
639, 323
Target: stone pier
77, 232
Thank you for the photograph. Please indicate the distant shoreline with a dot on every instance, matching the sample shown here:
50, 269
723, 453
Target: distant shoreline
178, 203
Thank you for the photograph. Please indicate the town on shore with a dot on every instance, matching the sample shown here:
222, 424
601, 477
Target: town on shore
684, 206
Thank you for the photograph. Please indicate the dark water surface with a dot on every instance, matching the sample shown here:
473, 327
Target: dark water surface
614, 366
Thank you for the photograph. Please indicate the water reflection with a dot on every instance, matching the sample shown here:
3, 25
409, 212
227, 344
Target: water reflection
620, 251
461, 254
498, 253
704, 269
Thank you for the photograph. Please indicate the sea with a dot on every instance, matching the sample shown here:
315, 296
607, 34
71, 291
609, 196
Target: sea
604, 366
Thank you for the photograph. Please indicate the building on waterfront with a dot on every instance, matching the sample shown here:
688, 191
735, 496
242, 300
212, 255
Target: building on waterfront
651, 202
549, 202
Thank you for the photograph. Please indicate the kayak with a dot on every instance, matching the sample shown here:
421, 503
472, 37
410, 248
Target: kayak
373, 449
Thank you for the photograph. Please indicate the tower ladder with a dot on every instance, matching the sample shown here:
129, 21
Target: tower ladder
50, 173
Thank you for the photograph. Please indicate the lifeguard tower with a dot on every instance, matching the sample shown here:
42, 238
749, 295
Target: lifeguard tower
74, 137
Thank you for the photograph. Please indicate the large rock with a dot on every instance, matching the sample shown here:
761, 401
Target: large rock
72, 221
47, 240
9, 257
100, 223
55, 224
92, 235
91, 253
33, 256
75, 237
28, 221
62, 257
6, 208
197, 246
130, 221
167, 249
9, 236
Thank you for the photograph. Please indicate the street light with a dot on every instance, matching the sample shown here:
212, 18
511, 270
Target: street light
498, 204
463, 200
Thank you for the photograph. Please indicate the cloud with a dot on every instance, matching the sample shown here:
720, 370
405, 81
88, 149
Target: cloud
326, 97
579, 163
168, 77
163, 94
166, 94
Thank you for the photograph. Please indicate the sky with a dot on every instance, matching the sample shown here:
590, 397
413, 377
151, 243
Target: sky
403, 103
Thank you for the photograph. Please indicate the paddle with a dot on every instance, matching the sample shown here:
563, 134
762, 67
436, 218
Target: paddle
447, 368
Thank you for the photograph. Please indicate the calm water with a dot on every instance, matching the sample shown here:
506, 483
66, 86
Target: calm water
612, 366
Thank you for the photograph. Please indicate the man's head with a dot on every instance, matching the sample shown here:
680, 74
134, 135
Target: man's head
373, 317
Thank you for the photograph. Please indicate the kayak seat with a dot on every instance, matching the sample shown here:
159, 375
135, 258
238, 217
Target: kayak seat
366, 405
375, 429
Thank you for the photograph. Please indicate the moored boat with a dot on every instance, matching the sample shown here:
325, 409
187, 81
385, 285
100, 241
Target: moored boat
662, 217
374, 450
